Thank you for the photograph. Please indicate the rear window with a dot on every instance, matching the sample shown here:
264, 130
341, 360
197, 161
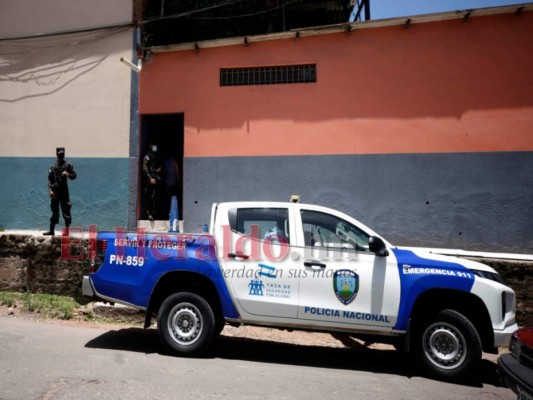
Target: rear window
260, 223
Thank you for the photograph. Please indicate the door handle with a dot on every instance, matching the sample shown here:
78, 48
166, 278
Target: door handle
313, 263
238, 255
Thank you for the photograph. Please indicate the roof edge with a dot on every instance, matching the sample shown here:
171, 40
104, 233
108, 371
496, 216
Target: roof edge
345, 27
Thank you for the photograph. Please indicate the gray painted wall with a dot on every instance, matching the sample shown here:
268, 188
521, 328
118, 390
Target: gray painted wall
472, 201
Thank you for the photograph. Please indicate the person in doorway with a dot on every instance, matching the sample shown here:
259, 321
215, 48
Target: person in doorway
152, 172
58, 176
171, 181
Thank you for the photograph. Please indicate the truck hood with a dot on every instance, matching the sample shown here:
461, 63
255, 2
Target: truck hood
472, 265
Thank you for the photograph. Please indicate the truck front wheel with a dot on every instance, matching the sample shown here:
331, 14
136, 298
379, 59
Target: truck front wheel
186, 323
448, 345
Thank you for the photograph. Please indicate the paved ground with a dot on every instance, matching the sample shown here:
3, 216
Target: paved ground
52, 360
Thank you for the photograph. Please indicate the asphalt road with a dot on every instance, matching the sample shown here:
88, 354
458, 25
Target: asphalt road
42, 360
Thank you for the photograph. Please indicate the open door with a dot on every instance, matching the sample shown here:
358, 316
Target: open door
166, 132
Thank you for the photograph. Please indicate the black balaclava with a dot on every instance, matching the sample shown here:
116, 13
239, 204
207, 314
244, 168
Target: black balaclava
60, 153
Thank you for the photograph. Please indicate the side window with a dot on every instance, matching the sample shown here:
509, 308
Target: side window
261, 223
328, 231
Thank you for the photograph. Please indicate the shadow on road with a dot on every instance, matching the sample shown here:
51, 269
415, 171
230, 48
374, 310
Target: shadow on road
356, 358
129, 339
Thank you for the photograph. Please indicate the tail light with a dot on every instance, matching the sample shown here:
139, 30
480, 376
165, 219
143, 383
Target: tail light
101, 247
98, 255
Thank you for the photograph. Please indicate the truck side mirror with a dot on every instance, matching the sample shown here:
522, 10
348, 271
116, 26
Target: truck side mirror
377, 246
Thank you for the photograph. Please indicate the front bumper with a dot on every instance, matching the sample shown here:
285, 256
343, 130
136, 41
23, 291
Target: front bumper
514, 373
503, 338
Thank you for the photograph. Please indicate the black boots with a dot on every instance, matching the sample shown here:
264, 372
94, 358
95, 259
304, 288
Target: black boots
51, 231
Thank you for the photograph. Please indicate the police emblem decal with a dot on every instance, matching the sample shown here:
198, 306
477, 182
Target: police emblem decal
345, 285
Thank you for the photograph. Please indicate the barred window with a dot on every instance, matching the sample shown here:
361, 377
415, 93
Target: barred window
273, 75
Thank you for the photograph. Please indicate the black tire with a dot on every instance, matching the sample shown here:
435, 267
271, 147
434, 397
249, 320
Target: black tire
186, 324
448, 345
219, 325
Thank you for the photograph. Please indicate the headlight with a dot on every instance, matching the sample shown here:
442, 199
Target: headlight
489, 275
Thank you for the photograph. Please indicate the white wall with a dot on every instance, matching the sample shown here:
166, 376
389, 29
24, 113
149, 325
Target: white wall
30, 17
69, 90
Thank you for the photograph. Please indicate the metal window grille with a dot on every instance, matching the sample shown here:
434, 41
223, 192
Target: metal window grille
273, 75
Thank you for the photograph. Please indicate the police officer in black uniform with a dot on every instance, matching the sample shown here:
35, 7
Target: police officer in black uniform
59, 172
152, 171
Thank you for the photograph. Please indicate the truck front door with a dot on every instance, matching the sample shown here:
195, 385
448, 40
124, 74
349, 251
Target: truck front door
342, 282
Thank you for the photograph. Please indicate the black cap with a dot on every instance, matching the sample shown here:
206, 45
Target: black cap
60, 150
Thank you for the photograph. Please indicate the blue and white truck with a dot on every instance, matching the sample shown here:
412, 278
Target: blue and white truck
305, 267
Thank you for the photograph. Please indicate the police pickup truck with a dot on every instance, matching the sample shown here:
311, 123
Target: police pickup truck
297, 266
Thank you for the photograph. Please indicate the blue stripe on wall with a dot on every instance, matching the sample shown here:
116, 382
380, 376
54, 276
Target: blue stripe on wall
99, 195
473, 201
134, 136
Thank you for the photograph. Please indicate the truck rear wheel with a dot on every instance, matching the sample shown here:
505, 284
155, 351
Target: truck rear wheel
186, 323
448, 345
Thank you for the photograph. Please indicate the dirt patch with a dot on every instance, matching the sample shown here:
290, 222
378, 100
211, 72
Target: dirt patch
92, 315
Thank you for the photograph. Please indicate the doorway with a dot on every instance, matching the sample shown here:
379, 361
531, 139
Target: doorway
166, 132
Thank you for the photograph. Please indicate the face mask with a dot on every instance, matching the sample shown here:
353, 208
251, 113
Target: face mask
154, 149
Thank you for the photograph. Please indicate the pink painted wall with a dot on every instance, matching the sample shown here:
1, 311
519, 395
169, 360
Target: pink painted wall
436, 87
